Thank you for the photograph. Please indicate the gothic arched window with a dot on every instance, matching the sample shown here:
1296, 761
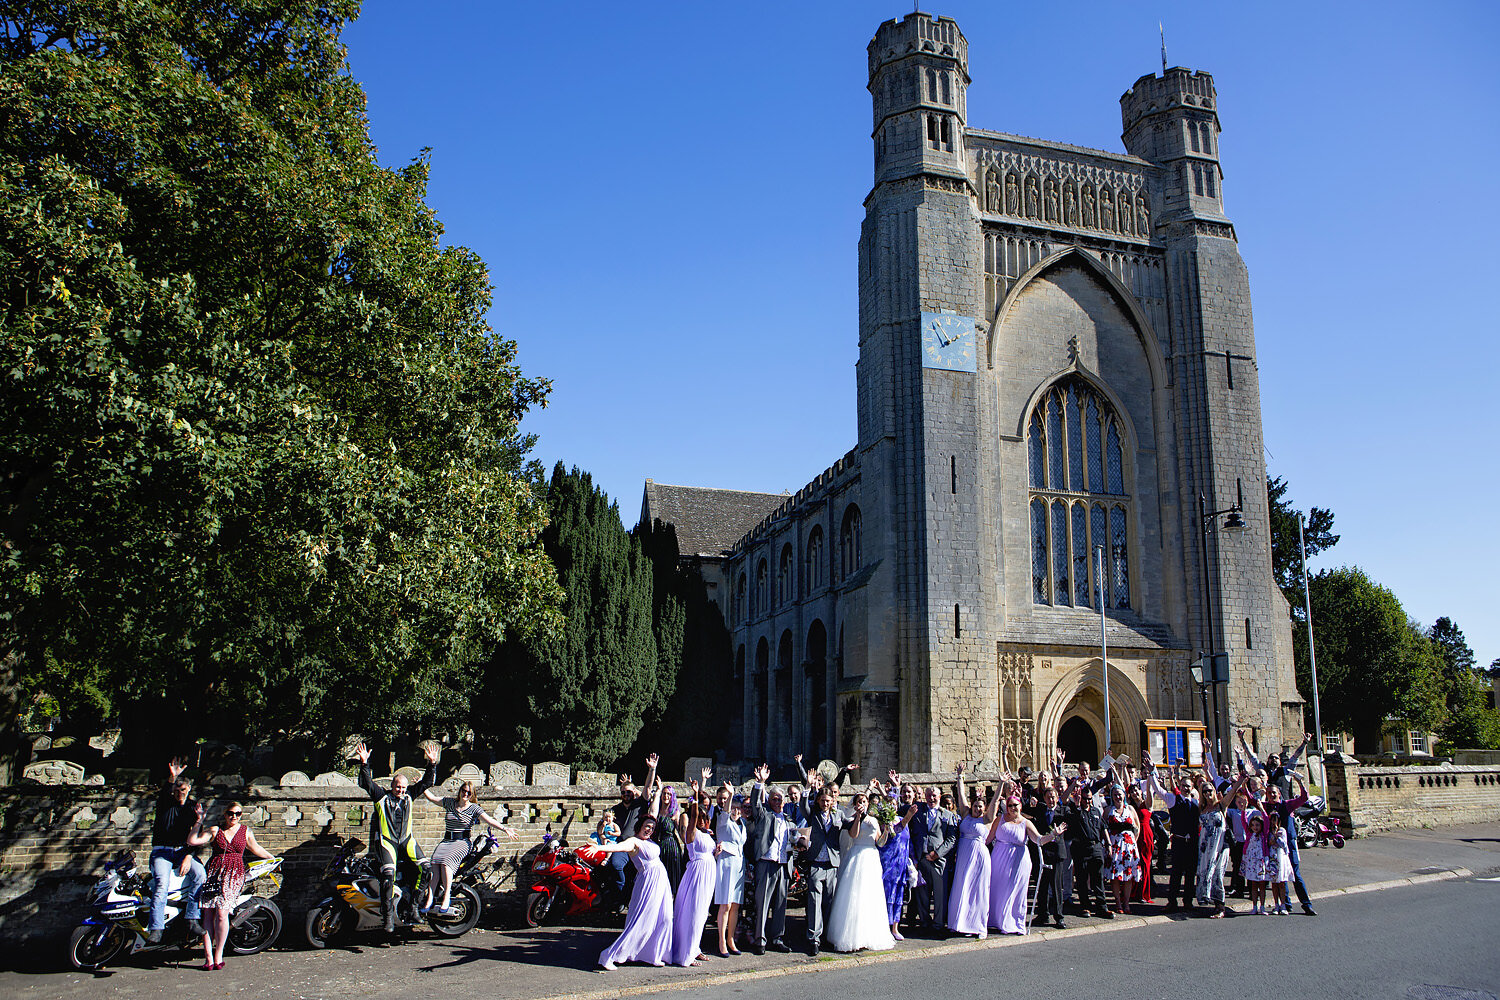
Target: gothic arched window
762, 589
784, 579
739, 599
1076, 456
815, 559
849, 555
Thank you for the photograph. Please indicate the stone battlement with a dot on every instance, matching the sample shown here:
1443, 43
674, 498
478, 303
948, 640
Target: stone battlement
918, 32
1178, 87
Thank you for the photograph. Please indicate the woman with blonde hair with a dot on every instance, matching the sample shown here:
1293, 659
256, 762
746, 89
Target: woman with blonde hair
460, 812
226, 877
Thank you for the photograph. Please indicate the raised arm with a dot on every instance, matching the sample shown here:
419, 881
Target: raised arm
797, 759
1296, 754
496, 824
1156, 789
201, 837
1301, 799
651, 762
430, 755
654, 809
432, 796
1039, 839
1250, 758
963, 800
367, 779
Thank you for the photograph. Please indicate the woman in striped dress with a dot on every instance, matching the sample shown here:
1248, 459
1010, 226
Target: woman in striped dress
460, 813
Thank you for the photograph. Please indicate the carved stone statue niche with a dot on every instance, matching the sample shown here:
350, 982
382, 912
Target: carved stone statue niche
1070, 204
992, 194
1012, 195
1106, 209
1142, 213
1051, 198
1033, 197
1088, 205
1127, 213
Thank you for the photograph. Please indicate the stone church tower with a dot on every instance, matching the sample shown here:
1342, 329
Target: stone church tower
1056, 362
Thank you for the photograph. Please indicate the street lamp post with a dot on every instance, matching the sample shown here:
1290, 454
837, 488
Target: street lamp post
1233, 522
1312, 656
1103, 647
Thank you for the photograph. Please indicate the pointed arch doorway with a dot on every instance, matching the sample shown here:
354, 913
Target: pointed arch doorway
1078, 741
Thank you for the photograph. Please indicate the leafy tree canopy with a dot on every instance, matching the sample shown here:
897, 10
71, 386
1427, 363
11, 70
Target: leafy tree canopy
1286, 554
580, 695
1373, 663
259, 451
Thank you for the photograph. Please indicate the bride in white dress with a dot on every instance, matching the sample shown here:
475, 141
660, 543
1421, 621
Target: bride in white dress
858, 919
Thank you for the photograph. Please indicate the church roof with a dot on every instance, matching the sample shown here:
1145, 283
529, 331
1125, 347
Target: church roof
708, 521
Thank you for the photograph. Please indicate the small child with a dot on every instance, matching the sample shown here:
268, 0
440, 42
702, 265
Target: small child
606, 832
1278, 864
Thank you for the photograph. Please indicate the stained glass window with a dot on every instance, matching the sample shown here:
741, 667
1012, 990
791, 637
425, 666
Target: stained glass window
1075, 450
1061, 594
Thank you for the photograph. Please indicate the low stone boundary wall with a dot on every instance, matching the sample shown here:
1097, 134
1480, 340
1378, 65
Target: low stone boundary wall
1388, 798
54, 840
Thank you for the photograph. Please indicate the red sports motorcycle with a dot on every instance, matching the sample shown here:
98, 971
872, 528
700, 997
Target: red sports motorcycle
564, 885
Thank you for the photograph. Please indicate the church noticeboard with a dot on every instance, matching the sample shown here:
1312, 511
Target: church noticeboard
949, 343
1169, 741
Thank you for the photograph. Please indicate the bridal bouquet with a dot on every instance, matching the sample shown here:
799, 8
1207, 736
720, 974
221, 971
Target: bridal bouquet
885, 811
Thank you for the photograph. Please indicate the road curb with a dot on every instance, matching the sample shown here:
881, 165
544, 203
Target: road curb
962, 946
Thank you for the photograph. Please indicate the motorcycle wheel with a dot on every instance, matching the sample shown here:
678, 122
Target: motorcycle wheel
467, 907
258, 931
1306, 840
1338, 842
93, 946
327, 925
537, 905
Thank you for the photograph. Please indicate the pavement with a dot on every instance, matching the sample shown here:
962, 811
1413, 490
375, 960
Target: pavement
559, 961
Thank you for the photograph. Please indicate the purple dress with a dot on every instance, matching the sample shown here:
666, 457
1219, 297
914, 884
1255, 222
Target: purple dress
1010, 867
894, 857
647, 936
694, 894
969, 901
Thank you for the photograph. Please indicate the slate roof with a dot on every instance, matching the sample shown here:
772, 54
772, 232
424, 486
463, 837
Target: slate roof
708, 521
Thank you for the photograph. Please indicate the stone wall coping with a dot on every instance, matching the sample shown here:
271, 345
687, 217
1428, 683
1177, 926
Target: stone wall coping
1367, 769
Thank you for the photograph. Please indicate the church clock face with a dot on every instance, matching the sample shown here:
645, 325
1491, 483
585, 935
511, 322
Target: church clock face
948, 342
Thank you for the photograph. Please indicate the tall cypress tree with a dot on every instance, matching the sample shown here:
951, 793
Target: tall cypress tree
582, 694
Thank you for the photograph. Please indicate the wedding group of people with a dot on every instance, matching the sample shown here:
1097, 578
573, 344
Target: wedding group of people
960, 860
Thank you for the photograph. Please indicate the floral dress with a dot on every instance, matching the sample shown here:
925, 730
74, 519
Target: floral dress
1124, 864
226, 870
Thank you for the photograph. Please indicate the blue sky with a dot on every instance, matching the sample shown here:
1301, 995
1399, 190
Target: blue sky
669, 196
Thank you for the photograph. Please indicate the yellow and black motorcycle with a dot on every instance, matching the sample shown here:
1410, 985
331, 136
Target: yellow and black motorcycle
353, 905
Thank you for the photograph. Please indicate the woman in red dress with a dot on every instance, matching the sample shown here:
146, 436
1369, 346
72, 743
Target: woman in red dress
226, 877
1146, 842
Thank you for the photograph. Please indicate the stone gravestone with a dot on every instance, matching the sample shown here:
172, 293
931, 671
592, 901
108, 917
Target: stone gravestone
595, 779
333, 779
507, 772
549, 772
94, 779
470, 772
262, 783
413, 774
294, 779
53, 772
228, 780
727, 772
106, 741
693, 769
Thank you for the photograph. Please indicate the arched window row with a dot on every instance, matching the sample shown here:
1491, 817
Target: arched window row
761, 599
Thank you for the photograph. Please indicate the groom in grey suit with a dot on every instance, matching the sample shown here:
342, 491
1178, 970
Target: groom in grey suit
934, 835
770, 850
825, 827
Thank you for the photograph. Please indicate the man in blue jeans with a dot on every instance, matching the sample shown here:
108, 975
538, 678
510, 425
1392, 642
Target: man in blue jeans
177, 816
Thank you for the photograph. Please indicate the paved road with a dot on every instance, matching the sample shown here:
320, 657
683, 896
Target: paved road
1442, 932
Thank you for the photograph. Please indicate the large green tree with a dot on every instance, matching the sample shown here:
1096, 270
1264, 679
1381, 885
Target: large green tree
1471, 723
259, 451
1286, 554
582, 694
694, 649
1373, 663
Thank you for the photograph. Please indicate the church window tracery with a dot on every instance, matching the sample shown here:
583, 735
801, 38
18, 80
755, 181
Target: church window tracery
762, 588
784, 577
815, 559
1078, 500
849, 553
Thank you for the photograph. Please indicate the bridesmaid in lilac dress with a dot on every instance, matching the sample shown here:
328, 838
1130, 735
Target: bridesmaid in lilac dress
647, 936
895, 853
1010, 866
969, 900
696, 890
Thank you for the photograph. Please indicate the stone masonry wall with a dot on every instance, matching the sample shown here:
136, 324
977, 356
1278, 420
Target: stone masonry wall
1388, 798
54, 840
